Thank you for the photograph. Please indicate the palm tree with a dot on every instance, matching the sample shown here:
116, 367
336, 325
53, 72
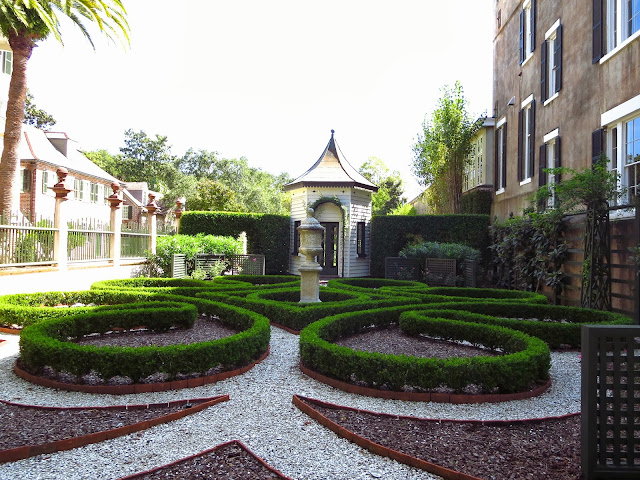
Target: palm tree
24, 23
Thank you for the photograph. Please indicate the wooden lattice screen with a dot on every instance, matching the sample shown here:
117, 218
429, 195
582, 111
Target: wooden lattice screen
441, 272
400, 268
610, 402
247, 264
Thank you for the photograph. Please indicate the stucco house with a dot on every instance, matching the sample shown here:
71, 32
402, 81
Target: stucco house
341, 199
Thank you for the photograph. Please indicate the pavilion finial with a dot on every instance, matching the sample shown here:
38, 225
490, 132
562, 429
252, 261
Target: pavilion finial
332, 132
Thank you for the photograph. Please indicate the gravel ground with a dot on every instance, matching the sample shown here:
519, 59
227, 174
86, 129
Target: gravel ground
260, 414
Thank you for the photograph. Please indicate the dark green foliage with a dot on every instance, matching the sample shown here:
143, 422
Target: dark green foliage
559, 326
266, 234
476, 202
526, 360
369, 284
391, 233
46, 343
288, 313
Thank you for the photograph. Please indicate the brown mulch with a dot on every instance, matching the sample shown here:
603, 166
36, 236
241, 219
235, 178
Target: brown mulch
204, 328
36, 426
229, 461
392, 340
544, 450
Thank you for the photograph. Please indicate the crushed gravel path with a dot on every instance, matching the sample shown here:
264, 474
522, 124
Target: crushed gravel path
259, 414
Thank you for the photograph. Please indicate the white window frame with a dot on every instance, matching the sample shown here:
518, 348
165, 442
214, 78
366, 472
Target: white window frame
615, 121
7, 62
94, 192
618, 35
552, 65
526, 139
550, 141
528, 31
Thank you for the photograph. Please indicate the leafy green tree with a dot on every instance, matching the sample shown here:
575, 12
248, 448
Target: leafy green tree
36, 116
389, 194
442, 148
213, 196
24, 23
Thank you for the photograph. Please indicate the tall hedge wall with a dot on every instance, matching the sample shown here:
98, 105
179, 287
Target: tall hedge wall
389, 234
476, 202
266, 234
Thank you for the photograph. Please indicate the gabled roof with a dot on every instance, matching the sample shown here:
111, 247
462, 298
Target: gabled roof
331, 170
36, 145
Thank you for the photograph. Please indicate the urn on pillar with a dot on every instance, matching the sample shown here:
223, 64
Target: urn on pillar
311, 234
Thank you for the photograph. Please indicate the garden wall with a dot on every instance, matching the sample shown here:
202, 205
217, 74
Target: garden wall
390, 233
266, 234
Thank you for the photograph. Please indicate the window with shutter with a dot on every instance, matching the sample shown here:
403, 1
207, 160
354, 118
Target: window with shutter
527, 36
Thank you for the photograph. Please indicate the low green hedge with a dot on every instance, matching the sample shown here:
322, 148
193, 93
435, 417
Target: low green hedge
468, 293
367, 284
527, 362
296, 316
45, 343
258, 280
559, 326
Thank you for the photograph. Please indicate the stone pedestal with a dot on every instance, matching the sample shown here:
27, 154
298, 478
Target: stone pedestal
311, 234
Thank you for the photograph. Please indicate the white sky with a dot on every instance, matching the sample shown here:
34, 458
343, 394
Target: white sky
268, 80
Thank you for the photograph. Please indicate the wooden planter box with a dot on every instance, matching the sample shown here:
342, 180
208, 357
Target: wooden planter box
441, 272
400, 268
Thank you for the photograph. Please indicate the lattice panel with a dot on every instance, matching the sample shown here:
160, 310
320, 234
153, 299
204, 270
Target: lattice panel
441, 272
247, 264
400, 268
611, 402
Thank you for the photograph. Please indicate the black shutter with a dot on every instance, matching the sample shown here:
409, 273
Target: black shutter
597, 145
533, 25
543, 71
504, 156
597, 31
522, 52
542, 176
496, 162
532, 139
520, 144
557, 55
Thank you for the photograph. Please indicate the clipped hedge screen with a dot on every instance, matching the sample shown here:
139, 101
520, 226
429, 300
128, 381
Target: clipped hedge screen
266, 234
389, 234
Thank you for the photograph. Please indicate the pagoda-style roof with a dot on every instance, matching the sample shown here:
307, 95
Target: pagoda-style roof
331, 170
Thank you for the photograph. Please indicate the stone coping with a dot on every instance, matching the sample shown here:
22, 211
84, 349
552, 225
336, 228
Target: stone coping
205, 452
10, 331
302, 403
456, 398
136, 387
26, 451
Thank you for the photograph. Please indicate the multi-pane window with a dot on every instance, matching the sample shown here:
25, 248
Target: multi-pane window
94, 192
47, 180
623, 150
79, 192
501, 156
6, 59
632, 155
473, 174
360, 239
551, 62
549, 159
622, 21
526, 130
527, 29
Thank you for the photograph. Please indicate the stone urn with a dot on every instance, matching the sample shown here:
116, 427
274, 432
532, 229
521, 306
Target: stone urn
311, 235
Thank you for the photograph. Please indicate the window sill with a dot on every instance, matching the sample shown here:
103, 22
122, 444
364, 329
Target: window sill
525, 181
622, 213
500, 191
529, 57
620, 47
551, 99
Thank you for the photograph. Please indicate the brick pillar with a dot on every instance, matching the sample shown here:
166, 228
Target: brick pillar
152, 207
116, 223
61, 235
178, 212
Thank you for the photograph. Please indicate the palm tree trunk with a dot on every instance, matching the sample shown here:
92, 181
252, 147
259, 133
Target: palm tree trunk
22, 46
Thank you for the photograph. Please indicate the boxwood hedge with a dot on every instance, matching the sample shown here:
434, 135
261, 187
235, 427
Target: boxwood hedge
47, 343
526, 359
